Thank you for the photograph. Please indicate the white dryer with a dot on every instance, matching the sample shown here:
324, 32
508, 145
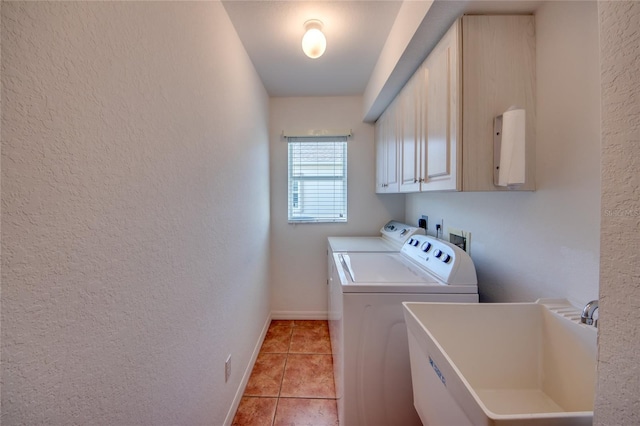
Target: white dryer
392, 236
369, 340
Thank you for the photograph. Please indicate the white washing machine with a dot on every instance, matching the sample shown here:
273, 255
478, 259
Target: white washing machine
369, 339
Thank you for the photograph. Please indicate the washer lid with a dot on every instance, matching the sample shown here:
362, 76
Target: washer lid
384, 268
389, 273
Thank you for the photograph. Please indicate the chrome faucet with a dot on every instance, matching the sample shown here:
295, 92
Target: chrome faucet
587, 313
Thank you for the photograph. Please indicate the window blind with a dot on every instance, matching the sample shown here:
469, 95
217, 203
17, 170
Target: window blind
317, 179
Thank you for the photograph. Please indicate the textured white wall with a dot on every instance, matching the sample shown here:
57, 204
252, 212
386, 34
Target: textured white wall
618, 390
298, 252
134, 172
543, 243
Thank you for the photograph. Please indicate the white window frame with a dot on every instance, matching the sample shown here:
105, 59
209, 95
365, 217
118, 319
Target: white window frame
336, 212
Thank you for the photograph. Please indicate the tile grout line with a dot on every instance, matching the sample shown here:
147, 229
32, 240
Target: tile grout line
286, 359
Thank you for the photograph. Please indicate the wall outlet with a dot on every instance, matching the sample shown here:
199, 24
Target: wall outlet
423, 222
460, 238
227, 369
440, 229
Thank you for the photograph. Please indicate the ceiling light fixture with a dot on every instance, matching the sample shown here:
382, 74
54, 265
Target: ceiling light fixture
313, 42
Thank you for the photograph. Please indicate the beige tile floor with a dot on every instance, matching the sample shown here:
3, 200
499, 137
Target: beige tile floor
292, 380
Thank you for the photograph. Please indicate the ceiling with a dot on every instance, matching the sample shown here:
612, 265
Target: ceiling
271, 32
356, 32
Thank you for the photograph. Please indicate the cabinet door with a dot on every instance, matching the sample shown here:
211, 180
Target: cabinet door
410, 135
386, 137
394, 135
442, 115
381, 170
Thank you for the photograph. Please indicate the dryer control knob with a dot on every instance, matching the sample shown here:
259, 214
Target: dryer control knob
446, 258
437, 253
426, 246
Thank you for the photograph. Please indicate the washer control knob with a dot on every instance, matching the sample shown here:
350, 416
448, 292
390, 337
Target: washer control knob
437, 253
411, 241
426, 246
404, 231
416, 242
446, 258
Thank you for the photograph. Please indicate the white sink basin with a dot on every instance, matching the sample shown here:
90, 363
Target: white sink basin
501, 363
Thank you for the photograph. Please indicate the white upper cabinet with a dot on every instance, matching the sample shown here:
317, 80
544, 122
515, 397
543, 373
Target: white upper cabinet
499, 65
444, 115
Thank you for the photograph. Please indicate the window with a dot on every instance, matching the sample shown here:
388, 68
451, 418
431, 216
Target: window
295, 195
317, 179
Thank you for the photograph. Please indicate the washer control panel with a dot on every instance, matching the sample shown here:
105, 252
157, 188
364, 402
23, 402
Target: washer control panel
448, 262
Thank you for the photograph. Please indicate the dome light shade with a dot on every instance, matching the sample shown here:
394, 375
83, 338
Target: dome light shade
314, 42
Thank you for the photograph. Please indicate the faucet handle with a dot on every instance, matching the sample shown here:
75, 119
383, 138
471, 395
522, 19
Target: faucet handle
587, 313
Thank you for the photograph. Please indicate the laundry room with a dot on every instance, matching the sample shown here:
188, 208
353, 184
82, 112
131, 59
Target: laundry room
156, 179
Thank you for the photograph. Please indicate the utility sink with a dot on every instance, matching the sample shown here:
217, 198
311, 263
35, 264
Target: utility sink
501, 363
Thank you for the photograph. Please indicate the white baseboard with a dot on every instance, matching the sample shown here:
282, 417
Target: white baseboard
247, 373
299, 315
